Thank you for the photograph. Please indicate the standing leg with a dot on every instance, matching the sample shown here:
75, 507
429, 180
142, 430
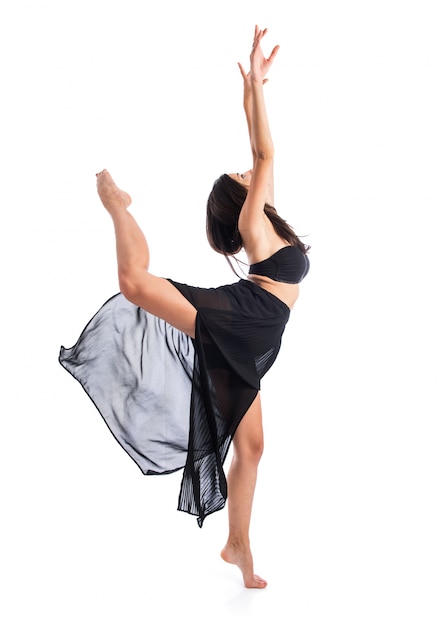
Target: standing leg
242, 477
147, 291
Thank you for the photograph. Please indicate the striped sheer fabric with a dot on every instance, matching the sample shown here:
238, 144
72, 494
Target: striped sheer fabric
238, 335
173, 402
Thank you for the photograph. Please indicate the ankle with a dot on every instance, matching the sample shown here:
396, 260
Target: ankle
238, 543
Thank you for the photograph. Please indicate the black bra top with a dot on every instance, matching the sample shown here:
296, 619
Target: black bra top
287, 265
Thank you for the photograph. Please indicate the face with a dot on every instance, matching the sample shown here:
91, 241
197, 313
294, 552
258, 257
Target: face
244, 179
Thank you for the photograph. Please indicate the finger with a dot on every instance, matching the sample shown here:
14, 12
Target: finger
242, 70
256, 42
273, 54
258, 35
262, 33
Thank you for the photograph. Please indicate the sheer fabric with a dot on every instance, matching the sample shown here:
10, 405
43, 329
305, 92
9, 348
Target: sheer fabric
173, 402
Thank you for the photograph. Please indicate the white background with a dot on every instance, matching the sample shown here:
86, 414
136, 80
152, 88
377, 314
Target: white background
348, 512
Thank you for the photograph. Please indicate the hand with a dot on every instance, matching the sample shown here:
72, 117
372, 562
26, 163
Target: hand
259, 63
247, 79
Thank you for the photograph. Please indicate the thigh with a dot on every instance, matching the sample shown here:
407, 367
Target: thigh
159, 297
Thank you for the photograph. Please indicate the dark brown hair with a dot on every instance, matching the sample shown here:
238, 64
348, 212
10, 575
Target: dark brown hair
223, 210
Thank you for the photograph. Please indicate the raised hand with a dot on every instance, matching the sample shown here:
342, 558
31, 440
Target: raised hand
247, 78
259, 63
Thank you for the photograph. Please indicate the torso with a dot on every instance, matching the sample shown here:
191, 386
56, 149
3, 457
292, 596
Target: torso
261, 245
285, 292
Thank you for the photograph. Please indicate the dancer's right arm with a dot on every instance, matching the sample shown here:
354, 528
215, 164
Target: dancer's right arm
247, 106
251, 224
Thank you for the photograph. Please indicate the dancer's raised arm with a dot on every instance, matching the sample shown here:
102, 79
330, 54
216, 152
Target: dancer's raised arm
251, 216
247, 105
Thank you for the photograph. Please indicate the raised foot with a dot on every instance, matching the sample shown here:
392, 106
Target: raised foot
113, 198
243, 559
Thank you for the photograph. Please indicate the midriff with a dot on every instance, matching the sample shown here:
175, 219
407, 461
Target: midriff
286, 292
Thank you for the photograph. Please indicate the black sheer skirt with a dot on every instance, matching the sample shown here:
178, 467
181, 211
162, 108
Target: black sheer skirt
173, 402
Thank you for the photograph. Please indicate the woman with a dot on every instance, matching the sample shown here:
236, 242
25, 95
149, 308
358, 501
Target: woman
175, 370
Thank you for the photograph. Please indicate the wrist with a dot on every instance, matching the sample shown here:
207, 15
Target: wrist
256, 81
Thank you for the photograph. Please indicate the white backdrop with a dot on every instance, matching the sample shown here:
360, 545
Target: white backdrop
348, 511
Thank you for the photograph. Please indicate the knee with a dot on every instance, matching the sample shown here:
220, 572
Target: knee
129, 290
251, 451
130, 285
256, 451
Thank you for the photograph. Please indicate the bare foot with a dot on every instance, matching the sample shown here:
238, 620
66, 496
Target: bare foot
242, 557
113, 198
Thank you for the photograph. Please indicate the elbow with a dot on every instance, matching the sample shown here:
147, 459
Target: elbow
266, 154
263, 150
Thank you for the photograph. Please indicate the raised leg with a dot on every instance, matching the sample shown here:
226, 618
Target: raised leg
147, 291
242, 478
